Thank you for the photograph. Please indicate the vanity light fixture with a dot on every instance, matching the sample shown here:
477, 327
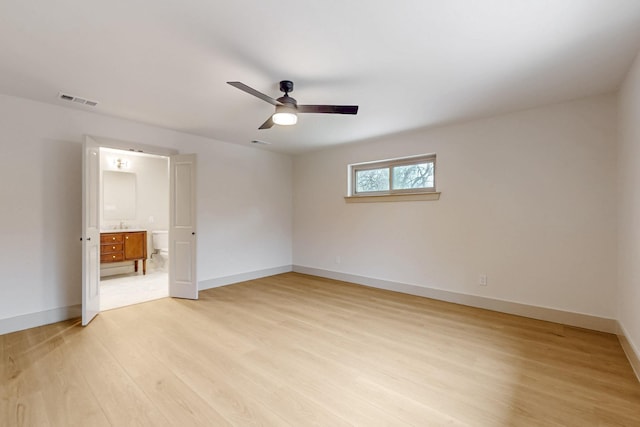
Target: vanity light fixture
121, 163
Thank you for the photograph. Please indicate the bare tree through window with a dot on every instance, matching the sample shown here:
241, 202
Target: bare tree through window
411, 174
372, 180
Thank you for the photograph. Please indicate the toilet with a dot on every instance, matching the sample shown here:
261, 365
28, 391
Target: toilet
160, 254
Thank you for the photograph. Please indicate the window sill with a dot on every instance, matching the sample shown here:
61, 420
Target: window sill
408, 197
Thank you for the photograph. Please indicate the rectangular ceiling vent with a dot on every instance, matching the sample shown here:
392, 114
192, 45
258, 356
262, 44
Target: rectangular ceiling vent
76, 99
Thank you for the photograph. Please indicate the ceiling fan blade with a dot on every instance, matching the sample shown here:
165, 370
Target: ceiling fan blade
251, 91
330, 109
268, 124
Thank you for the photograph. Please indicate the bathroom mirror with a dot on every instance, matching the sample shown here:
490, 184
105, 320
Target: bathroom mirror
118, 195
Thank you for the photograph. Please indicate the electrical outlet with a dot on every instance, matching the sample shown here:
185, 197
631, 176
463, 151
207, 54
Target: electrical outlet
482, 281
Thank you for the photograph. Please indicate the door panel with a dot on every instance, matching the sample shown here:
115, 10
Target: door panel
182, 251
90, 231
182, 229
183, 204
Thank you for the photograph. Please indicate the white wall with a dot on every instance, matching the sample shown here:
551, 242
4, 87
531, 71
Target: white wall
629, 207
527, 198
244, 202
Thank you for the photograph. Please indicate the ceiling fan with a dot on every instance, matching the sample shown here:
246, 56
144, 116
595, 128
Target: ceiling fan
287, 108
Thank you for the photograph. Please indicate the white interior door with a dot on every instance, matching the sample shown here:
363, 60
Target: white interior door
90, 230
182, 227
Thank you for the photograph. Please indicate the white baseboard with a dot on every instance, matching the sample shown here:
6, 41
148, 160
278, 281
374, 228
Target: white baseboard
542, 313
242, 277
32, 320
632, 352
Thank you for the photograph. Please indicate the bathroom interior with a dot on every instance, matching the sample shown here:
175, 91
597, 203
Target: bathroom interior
134, 223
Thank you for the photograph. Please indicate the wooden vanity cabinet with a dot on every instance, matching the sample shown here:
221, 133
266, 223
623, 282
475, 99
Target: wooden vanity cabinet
124, 246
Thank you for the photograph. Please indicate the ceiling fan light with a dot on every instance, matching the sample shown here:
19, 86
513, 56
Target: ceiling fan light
286, 119
284, 116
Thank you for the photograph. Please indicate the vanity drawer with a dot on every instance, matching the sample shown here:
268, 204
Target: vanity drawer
111, 238
115, 257
114, 247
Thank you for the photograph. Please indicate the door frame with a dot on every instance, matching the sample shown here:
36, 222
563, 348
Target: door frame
133, 146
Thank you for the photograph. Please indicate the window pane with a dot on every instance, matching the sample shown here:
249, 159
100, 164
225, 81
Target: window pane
413, 176
372, 180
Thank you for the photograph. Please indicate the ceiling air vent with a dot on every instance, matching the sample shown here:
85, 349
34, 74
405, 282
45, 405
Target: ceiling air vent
77, 99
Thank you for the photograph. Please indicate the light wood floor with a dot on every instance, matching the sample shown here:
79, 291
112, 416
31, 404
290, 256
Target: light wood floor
296, 350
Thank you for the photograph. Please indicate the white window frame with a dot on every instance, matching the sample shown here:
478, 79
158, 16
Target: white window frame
390, 164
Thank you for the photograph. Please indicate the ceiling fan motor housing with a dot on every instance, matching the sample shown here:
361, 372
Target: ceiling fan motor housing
286, 86
288, 101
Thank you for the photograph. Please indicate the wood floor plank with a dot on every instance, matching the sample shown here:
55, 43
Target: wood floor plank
43, 387
123, 401
152, 354
509, 341
293, 347
297, 350
269, 392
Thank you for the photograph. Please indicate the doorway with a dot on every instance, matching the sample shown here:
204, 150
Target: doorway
134, 202
182, 237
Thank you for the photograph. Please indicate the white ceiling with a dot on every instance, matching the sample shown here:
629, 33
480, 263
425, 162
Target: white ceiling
408, 64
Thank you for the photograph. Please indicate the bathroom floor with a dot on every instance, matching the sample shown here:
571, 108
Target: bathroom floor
126, 289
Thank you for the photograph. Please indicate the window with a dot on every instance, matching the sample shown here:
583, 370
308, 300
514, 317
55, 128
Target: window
408, 175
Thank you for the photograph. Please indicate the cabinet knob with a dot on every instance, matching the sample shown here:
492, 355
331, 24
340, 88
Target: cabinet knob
114, 257
114, 238
114, 247
127, 237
